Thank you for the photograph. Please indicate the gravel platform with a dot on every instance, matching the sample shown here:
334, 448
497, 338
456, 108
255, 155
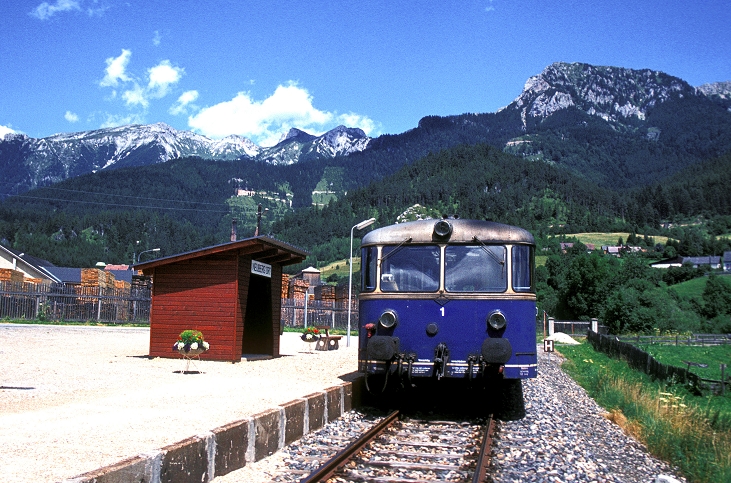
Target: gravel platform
74, 398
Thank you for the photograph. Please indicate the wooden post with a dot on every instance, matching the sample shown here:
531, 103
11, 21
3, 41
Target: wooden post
544, 324
723, 379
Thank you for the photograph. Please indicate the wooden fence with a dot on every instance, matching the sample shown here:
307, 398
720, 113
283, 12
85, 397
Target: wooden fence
678, 340
57, 302
642, 361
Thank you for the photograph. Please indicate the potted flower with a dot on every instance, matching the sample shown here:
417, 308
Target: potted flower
310, 334
191, 342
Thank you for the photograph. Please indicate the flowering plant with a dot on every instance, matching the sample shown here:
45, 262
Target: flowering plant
190, 340
310, 334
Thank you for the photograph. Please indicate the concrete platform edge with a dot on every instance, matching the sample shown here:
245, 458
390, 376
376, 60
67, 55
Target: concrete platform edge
229, 447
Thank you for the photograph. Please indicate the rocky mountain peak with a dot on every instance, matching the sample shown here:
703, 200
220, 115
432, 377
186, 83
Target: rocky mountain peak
297, 134
612, 93
717, 89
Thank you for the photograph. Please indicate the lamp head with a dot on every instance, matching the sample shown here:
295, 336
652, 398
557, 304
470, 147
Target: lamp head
365, 223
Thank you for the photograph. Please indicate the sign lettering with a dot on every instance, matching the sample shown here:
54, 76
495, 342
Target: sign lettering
547, 345
263, 269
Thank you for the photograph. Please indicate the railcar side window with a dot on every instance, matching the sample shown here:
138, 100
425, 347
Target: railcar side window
369, 261
522, 268
475, 268
410, 268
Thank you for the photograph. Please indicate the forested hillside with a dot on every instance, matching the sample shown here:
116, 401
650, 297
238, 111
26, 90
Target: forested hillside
583, 148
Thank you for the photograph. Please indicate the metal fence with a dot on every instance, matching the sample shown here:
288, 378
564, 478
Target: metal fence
56, 302
574, 328
306, 313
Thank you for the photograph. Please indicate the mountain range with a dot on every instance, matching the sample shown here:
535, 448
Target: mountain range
582, 146
28, 163
614, 126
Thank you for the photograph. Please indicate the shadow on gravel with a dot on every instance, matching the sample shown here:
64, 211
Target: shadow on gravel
502, 398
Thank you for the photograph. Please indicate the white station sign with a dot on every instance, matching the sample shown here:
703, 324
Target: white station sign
263, 269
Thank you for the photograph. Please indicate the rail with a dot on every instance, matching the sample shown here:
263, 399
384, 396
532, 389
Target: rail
443, 451
327, 470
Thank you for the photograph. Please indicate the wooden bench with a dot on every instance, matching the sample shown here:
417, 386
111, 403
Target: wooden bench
327, 342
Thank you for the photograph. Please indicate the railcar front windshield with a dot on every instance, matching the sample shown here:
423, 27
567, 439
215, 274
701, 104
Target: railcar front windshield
410, 268
475, 268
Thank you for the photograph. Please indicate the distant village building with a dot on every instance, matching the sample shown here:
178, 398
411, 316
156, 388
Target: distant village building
566, 245
20, 267
713, 262
668, 263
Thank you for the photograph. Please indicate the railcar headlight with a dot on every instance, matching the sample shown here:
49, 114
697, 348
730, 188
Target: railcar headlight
442, 229
388, 319
496, 320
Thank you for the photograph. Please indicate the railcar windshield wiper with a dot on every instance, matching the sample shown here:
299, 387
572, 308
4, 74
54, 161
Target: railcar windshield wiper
490, 252
395, 250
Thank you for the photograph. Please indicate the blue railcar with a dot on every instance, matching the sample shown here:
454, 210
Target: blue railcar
447, 299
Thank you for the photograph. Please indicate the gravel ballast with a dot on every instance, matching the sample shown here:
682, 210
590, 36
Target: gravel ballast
563, 438
77, 398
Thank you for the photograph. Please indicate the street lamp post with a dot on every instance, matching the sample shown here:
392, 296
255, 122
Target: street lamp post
359, 226
139, 257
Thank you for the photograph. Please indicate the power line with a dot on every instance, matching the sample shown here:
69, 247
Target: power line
128, 205
167, 200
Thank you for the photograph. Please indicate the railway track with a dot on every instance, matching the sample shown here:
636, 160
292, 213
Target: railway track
412, 450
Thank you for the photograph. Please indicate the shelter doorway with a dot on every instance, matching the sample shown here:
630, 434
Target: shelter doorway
258, 329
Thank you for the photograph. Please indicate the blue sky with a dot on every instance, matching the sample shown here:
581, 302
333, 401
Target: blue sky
257, 68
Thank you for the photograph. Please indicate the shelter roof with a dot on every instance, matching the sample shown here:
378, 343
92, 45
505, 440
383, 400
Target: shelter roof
260, 248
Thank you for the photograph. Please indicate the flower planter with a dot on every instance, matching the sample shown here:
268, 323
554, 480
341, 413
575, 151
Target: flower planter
191, 352
310, 337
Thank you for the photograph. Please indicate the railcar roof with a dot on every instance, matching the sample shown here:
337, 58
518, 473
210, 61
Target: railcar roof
463, 231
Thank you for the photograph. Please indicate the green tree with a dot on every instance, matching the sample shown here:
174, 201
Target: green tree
716, 297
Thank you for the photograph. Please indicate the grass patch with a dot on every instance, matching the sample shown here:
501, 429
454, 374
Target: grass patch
611, 238
692, 432
693, 289
340, 268
714, 356
335, 331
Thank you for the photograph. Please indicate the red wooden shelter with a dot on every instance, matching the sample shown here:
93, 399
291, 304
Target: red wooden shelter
230, 292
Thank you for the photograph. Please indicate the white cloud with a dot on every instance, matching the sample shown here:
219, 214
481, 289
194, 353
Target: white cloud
5, 130
71, 116
45, 10
97, 10
136, 97
156, 38
265, 121
184, 101
356, 120
162, 76
116, 70
135, 93
114, 120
